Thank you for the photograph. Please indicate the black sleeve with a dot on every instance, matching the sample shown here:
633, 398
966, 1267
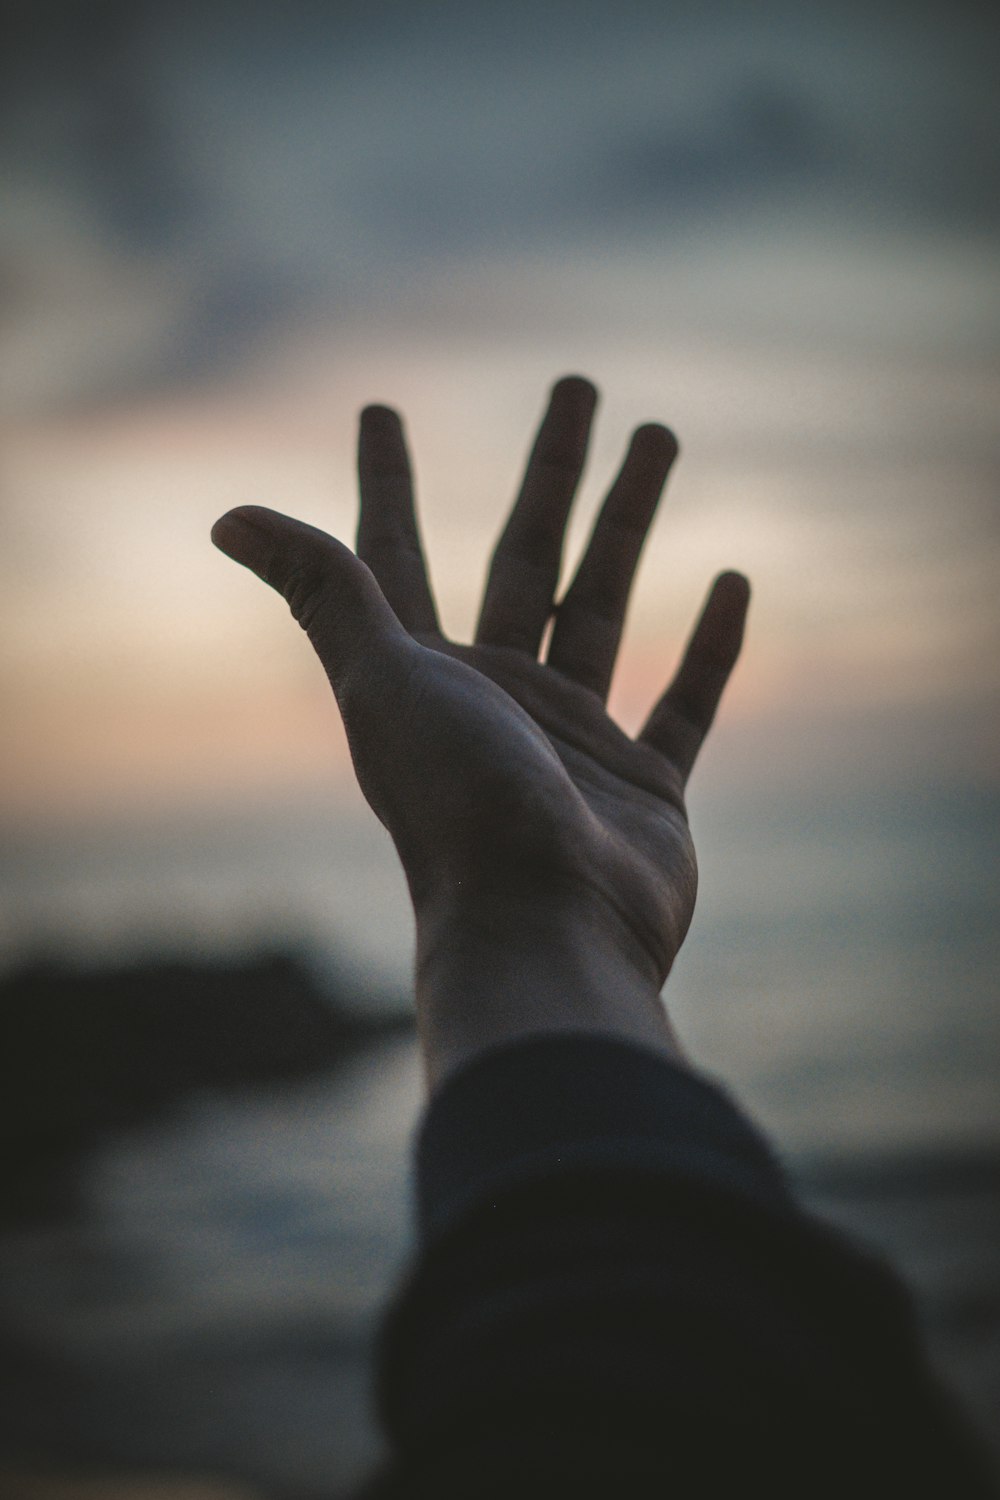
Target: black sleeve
616, 1294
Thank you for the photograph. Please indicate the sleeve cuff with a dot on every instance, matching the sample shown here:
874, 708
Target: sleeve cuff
580, 1102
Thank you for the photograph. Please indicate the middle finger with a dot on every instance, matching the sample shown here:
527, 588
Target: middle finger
524, 572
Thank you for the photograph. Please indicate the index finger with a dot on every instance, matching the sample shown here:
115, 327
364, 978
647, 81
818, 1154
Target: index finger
388, 536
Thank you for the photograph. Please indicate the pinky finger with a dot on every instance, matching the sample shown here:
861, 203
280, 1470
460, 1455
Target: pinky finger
681, 719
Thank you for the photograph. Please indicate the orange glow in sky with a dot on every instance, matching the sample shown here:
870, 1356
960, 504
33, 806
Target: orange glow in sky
141, 663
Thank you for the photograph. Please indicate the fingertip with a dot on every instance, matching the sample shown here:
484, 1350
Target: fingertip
220, 530
254, 516
576, 388
375, 416
719, 633
734, 586
240, 531
656, 440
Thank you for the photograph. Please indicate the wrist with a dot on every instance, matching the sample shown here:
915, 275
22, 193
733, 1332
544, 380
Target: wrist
495, 967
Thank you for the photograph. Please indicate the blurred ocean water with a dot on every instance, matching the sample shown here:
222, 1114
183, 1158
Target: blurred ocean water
210, 1308
841, 971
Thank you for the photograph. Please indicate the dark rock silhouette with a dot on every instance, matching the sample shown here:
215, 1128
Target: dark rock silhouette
84, 1051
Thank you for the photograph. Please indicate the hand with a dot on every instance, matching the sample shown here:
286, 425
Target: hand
547, 854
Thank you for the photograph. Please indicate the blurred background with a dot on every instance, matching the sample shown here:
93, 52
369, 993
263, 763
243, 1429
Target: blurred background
226, 228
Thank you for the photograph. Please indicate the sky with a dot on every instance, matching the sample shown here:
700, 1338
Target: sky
229, 227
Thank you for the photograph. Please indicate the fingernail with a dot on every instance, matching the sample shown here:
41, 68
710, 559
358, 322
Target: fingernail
236, 533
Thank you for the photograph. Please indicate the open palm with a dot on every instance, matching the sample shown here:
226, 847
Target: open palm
483, 761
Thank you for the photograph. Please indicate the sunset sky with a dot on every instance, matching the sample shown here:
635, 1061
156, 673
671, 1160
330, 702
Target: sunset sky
227, 228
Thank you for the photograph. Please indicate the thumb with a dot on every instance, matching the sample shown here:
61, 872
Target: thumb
329, 591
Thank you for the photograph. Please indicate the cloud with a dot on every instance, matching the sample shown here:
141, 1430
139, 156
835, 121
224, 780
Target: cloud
246, 169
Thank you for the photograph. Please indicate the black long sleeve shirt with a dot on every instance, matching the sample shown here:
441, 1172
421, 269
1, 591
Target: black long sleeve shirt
616, 1294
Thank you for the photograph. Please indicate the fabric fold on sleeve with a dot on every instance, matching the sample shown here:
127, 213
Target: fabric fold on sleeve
616, 1292
578, 1101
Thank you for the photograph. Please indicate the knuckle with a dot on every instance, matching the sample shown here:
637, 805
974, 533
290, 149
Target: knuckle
304, 590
